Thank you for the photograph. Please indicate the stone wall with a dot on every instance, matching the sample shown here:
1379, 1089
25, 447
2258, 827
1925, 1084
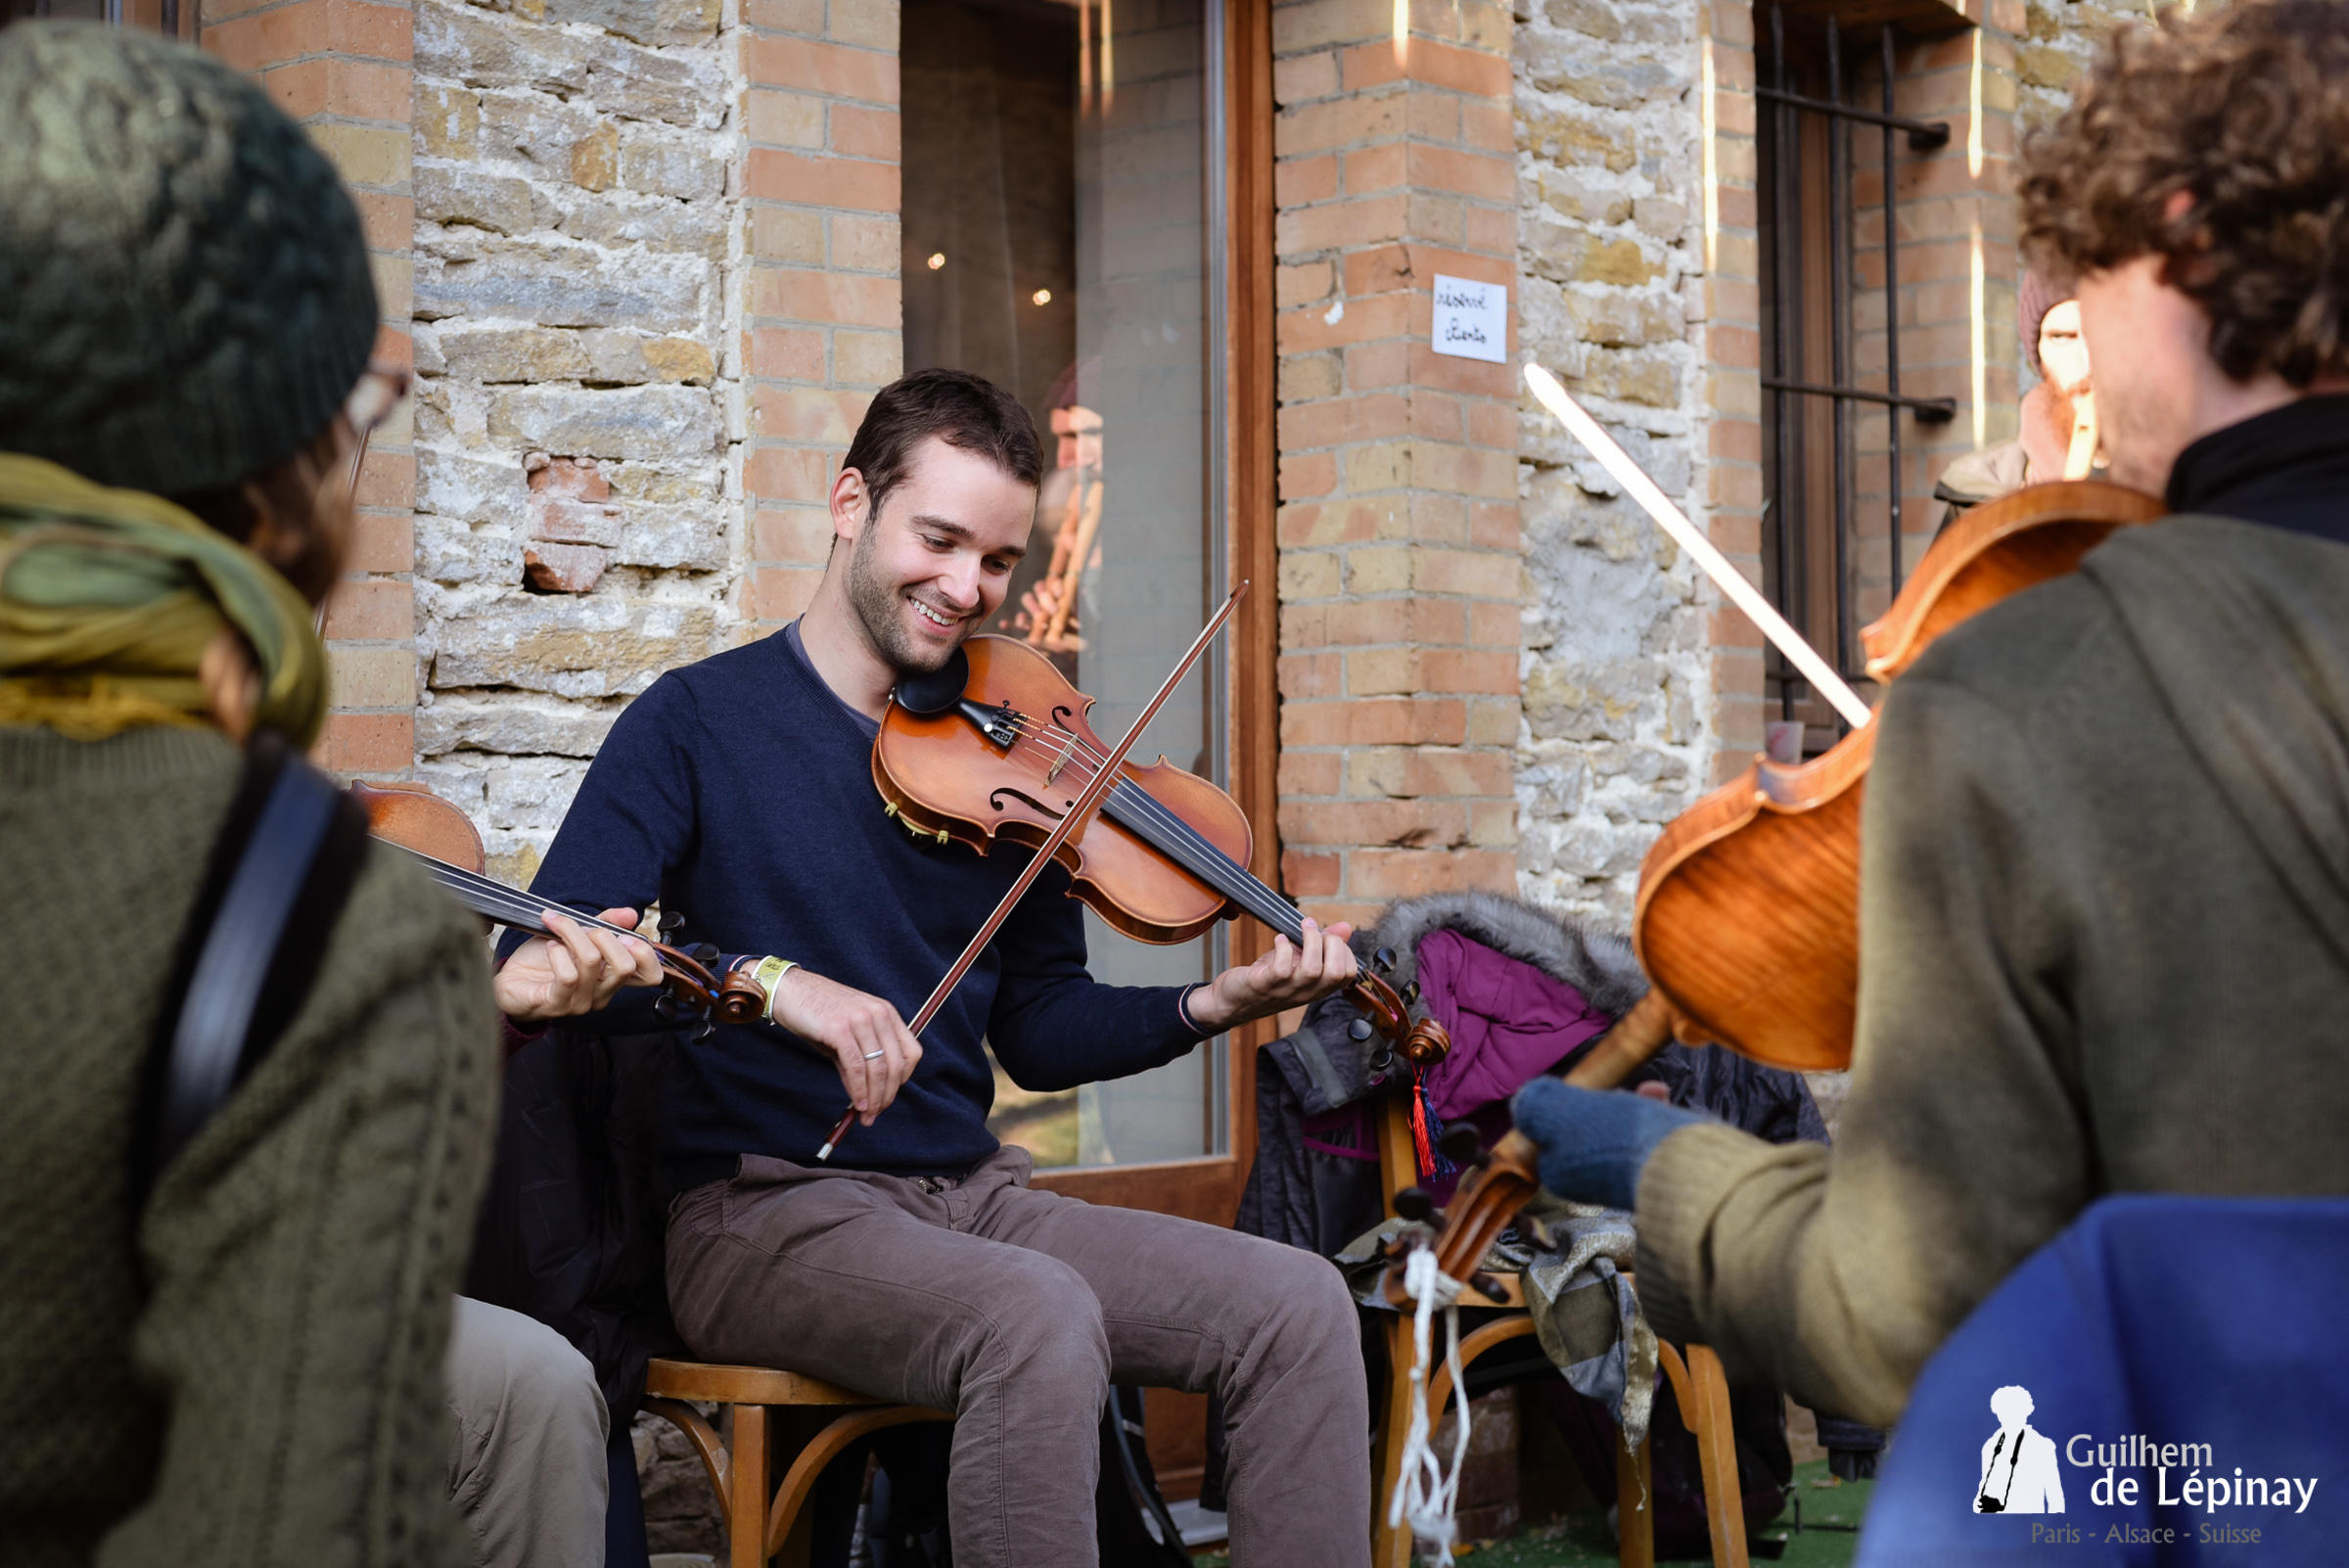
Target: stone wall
577, 519
1615, 662
2058, 42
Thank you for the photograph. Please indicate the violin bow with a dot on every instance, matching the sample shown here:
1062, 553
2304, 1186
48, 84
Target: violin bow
1689, 537
1104, 779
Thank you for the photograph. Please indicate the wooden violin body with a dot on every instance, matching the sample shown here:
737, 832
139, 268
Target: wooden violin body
998, 747
1014, 771
1747, 919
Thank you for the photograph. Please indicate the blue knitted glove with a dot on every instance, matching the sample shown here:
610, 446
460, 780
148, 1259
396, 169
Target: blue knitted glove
1595, 1143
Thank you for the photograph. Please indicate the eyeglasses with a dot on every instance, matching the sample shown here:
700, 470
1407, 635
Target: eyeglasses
379, 391
381, 387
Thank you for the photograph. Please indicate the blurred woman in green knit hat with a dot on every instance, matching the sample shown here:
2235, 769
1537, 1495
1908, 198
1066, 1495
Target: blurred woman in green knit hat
224, 1345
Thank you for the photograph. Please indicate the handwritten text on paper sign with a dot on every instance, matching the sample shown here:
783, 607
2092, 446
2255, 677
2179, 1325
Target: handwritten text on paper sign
1472, 319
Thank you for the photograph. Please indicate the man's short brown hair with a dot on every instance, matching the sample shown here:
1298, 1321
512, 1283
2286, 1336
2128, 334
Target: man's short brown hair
963, 410
2246, 110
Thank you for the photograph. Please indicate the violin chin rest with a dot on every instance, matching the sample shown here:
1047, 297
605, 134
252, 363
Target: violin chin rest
927, 696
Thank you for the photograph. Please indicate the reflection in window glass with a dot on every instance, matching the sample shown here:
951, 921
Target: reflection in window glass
1056, 241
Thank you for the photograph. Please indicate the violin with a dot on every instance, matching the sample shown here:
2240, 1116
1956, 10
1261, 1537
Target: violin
998, 746
441, 838
1747, 918
1010, 755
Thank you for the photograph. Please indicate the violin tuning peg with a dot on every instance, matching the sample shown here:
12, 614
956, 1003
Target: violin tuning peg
1382, 1063
1414, 1203
668, 1007
1358, 1031
1383, 960
672, 921
1460, 1144
1409, 991
704, 953
1486, 1284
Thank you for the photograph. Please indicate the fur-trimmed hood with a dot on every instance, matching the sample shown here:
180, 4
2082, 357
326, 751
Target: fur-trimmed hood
1326, 1067
1598, 963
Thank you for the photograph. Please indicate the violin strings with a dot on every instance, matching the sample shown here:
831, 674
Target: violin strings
1151, 819
1173, 836
1245, 888
500, 902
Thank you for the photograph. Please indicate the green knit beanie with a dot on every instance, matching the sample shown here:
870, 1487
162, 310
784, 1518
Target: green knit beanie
184, 295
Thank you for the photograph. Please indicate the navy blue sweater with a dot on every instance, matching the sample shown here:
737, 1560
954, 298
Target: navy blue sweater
739, 791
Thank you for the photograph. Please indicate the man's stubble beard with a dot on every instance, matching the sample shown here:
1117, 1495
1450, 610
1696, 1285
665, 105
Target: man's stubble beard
876, 604
2138, 450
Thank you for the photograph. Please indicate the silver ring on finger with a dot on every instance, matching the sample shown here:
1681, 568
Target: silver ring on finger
874, 1056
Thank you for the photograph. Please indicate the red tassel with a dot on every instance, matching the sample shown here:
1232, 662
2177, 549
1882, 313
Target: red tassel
1421, 1147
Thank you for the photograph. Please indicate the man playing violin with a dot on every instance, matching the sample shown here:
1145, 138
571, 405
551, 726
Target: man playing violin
2105, 878
919, 1265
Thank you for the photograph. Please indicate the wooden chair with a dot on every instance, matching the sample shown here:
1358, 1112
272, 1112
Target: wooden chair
1697, 1382
769, 1416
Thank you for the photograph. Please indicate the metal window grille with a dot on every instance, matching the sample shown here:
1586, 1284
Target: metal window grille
1809, 387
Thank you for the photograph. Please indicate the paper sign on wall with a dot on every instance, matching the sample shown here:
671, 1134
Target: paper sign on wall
1472, 319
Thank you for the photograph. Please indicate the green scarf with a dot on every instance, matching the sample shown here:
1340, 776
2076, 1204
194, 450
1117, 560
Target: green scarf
108, 598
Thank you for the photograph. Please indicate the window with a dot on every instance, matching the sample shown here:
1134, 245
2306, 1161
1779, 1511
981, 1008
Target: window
175, 16
1062, 238
1838, 536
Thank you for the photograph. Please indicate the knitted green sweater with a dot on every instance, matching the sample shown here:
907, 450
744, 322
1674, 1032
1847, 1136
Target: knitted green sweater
2104, 947
248, 1373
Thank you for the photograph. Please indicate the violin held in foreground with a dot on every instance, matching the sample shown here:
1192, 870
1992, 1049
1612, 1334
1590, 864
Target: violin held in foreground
1747, 918
441, 838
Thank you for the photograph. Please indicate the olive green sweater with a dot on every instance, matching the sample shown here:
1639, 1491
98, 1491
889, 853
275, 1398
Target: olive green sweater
250, 1373
2104, 947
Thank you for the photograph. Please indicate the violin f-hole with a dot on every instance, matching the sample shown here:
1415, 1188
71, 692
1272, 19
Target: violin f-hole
995, 800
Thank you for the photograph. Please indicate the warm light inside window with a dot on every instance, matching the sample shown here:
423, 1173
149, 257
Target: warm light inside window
937, 258
1042, 296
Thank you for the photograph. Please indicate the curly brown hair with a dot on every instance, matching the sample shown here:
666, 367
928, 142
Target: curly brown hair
2246, 110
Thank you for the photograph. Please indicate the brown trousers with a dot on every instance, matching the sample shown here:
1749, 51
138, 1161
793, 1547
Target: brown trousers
1016, 1309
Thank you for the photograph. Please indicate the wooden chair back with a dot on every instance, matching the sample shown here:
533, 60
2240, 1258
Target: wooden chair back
1697, 1382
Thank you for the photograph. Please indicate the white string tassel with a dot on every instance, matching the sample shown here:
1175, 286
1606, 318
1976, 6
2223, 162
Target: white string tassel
1424, 1493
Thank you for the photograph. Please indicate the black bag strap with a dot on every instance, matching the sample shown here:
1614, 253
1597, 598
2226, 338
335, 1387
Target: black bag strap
279, 876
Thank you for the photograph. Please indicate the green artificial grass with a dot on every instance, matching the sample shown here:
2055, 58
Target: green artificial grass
1584, 1542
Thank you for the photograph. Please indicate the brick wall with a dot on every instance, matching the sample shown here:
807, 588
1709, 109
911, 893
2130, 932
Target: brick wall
341, 67
821, 313
1399, 519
